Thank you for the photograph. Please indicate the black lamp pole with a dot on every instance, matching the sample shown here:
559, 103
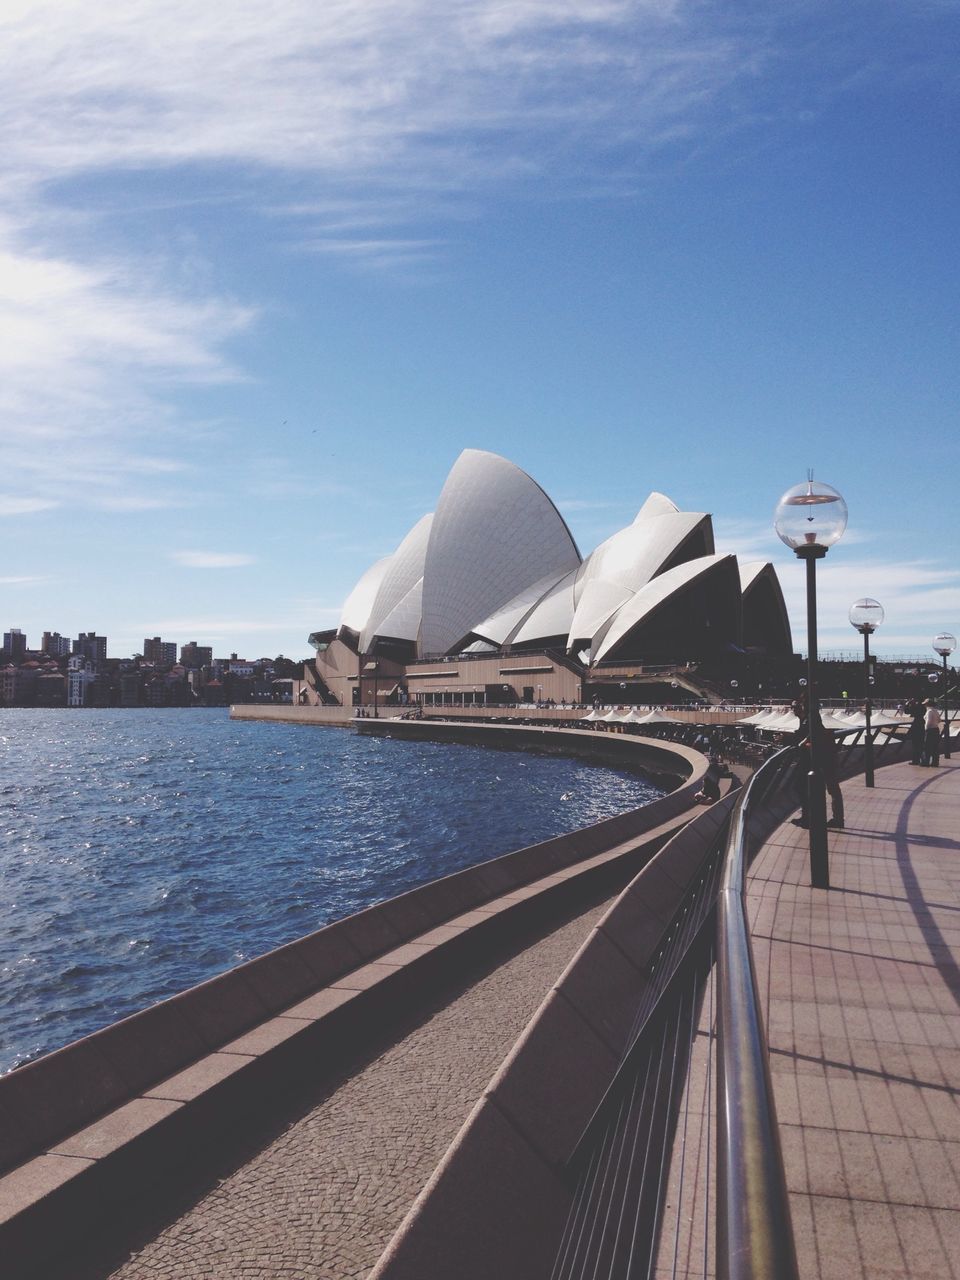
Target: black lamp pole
811, 552
810, 518
944, 644
865, 629
946, 713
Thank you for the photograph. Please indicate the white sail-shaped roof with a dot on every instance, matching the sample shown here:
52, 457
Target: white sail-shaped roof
657, 504
551, 616
500, 624
403, 572
495, 531
765, 619
403, 621
626, 562
650, 597
359, 602
497, 562
750, 572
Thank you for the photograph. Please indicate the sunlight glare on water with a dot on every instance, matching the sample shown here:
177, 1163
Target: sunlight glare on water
144, 851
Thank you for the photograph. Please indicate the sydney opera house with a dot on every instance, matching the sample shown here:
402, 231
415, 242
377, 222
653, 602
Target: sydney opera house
488, 600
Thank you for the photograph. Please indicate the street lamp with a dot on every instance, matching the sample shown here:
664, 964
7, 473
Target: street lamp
866, 615
944, 644
810, 518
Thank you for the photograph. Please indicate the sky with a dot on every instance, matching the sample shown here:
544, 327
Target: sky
266, 270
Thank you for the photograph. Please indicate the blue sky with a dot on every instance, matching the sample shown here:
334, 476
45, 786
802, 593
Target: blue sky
265, 271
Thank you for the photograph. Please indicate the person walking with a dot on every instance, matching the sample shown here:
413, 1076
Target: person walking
829, 762
932, 724
917, 713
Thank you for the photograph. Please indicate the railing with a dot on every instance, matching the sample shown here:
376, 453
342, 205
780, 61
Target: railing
622, 1223
754, 1235
621, 1165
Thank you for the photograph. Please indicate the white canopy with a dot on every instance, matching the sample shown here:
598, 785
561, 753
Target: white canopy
761, 717
633, 716
656, 717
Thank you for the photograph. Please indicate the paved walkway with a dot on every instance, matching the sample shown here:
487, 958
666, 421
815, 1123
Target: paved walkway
861, 986
863, 1015
324, 1198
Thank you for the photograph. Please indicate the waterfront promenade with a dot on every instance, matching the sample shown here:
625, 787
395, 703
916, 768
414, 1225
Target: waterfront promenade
862, 1000
861, 995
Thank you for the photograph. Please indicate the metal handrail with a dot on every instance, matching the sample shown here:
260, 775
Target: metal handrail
754, 1232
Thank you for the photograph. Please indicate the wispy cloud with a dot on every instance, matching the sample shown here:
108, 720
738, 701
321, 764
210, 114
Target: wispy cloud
359, 128
11, 506
24, 580
918, 597
212, 559
302, 617
384, 112
87, 356
353, 87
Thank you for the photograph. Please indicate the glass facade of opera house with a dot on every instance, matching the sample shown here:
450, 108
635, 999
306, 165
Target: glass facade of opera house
488, 600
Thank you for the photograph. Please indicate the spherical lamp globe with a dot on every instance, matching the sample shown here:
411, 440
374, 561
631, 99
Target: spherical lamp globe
810, 514
944, 644
866, 615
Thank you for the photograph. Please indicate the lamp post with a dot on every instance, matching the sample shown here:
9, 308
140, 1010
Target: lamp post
944, 644
810, 518
866, 615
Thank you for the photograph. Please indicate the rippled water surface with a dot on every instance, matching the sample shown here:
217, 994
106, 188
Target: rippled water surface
143, 851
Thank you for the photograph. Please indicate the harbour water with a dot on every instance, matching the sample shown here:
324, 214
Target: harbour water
144, 851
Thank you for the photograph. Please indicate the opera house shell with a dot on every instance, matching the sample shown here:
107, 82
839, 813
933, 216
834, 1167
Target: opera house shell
495, 570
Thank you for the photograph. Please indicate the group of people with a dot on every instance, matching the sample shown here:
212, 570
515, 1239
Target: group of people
925, 733
926, 728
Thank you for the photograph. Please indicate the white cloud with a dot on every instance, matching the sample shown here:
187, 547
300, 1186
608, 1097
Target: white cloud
11, 506
272, 631
349, 87
87, 355
212, 559
392, 107
919, 598
24, 580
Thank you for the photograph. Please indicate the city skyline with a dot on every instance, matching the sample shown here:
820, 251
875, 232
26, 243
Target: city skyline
264, 274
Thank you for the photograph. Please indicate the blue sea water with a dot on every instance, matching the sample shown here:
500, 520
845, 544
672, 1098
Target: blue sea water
144, 851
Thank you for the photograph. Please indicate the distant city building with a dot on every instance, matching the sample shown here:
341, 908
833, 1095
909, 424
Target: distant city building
14, 644
81, 676
90, 646
55, 645
196, 655
162, 653
9, 686
238, 666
